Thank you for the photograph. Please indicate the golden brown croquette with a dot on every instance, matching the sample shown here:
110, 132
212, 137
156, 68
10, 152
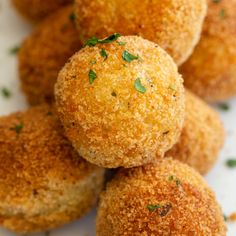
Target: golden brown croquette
121, 101
43, 181
45, 52
173, 24
36, 10
167, 198
202, 136
211, 71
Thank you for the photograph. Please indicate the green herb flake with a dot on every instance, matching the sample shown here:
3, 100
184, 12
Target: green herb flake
94, 40
72, 16
93, 62
17, 128
178, 182
113, 94
222, 13
121, 43
129, 57
151, 207
225, 217
91, 42
216, 1
92, 76
171, 178
138, 86
14, 50
231, 163
104, 54
224, 106
5, 93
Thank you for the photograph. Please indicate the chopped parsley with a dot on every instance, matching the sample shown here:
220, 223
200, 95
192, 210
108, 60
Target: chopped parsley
222, 13
171, 178
14, 50
72, 16
17, 128
138, 86
104, 54
92, 76
5, 93
151, 207
94, 40
231, 163
113, 94
121, 43
129, 57
224, 106
225, 217
216, 1
93, 62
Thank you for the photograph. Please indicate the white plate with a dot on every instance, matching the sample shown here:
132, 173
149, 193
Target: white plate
222, 179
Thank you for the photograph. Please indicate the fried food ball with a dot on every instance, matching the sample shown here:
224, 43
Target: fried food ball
121, 101
45, 52
44, 183
174, 24
36, 10
167, 198
202, 136
211, 70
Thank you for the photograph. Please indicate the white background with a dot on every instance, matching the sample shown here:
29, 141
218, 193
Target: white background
13, 29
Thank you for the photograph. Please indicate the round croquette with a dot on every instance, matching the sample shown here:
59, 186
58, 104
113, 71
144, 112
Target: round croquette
211, 70
45, 52
167, 198
202, 136
36, 10
121, 101
43, 181
173, 24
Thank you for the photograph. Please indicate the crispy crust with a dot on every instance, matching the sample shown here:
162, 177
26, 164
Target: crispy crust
125, 129
36, 10
43, 182
188, 207
202, 136
211, 70
173, 24
45, 52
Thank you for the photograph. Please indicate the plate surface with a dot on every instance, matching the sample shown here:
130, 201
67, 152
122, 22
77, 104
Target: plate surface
13, 29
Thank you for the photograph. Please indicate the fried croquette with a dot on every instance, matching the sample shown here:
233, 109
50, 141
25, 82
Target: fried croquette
43, 181
120, 100
167, 198
36, 10
202, 136
174, 24
211, 70
45, 52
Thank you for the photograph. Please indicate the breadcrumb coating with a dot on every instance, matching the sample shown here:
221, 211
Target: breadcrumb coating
167, 198
211, 70
202, 136
45, 52
44, 183
110, 122
36, 10
173, 24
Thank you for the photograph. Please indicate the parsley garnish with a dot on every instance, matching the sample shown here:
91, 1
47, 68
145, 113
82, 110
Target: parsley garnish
93, 62
129, 57
72, 16
5, 93
171, 178
138, 86
216, 1
94, 40
14, 50
222, 13
151, 207
231, 163
104, 54
121, 43
224, 106
17, 128
92, 76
